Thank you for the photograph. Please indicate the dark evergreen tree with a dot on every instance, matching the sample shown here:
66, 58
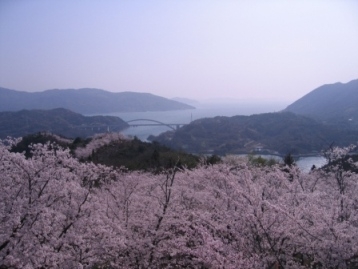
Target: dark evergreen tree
289, 160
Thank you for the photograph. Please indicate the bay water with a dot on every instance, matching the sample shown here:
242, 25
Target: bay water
205, 110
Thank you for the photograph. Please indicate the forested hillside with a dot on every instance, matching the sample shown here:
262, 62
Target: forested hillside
278, 133
59, 121
116, 150
333, 103
87, 101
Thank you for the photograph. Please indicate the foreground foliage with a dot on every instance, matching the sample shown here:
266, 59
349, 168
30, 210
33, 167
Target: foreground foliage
135, 154
114, 149
56, 212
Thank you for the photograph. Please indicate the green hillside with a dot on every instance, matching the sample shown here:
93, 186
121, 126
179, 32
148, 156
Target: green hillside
273, 133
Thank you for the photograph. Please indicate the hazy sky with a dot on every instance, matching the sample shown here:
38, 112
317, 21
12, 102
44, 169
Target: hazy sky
274, 50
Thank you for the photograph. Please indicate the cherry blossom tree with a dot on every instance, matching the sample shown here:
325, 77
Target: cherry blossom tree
98, 141
60, 213
49, 215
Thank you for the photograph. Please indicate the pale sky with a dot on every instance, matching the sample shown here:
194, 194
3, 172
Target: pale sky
272, 50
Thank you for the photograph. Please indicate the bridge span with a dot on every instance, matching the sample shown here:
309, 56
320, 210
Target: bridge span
131, 123
173, 126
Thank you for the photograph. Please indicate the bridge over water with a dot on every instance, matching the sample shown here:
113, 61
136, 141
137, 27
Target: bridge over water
131, 123
173, 126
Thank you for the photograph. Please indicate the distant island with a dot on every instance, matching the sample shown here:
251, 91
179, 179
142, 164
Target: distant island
58, 121
87, 101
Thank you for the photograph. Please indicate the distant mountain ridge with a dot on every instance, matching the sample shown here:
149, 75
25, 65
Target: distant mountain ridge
332, 103
87, 101
59, 121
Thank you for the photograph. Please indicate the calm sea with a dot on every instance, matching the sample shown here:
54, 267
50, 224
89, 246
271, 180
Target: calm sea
205, 110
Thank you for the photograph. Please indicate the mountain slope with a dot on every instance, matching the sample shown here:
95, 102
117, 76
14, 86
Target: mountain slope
333, 103
270, 132
58, 121
87, 101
